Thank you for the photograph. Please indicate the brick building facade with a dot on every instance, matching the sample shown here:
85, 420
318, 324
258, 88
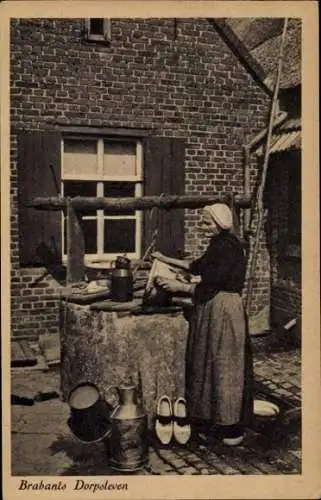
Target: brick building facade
175, 80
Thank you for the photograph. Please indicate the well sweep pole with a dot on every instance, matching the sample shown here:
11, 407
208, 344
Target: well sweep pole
260, 207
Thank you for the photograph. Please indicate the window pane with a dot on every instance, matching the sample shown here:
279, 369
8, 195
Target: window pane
120, 189
80, 157
81, 188
119, 236
119, 158
97, 26
90, 234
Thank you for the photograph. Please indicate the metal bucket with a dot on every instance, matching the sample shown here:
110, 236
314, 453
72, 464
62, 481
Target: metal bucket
89, 417
266, 416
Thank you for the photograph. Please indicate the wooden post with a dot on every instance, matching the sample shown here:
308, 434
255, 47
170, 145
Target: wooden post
75, 246
235, 213
260, 207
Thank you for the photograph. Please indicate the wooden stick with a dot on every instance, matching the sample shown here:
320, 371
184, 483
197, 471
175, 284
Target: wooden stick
165, 202
260, 207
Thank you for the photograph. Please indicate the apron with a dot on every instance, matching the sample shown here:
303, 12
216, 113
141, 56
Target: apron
219, 372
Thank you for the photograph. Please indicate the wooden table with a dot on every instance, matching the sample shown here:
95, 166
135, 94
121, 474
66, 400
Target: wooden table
106, 347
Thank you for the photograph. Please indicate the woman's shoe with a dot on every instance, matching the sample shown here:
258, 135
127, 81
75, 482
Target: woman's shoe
234, 441
164, 420
232, 435
182, 428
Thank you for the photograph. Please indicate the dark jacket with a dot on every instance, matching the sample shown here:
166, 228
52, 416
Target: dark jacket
221, 267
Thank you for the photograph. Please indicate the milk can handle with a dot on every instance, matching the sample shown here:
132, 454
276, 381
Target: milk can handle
108, 389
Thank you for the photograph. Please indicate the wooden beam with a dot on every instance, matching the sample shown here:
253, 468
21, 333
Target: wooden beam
165, 202
75, 247
82, 130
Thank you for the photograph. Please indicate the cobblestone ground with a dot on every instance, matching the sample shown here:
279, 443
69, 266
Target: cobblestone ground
42, 443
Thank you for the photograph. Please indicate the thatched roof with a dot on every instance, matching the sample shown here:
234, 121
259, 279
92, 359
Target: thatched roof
285, 137
253, 31
262, 37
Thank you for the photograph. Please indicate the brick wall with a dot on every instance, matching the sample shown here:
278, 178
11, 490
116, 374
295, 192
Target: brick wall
190, 86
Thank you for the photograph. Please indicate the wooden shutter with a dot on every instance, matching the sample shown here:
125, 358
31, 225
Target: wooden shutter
164, 164
38, 175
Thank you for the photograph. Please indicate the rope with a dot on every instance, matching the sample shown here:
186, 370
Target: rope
152, 244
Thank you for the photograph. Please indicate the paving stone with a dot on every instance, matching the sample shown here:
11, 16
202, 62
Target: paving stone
295, 389
214, 461
170, 459
187, 462
260, 464
156, 464
167, 454
240, 464
284, 392
178, 462
198, 464
188, 470
282, 466
189, 457
297, 453
43, 445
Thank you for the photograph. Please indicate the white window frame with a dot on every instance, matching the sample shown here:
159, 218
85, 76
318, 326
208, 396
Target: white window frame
101, 258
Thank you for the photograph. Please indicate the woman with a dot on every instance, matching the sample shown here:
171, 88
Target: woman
218, 357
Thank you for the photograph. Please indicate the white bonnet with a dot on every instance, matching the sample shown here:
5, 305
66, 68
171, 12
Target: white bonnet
221, 214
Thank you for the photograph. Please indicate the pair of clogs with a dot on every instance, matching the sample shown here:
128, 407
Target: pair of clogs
171, 421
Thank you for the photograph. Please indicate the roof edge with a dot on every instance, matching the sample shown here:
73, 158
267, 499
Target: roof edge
241, 51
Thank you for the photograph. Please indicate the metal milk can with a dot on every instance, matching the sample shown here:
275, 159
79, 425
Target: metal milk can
122, 280
128, 442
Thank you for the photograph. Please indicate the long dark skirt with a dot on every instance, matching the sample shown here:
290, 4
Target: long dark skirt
219, 375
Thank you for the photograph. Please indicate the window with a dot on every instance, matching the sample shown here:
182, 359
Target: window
73, 161
104, 168
98, 29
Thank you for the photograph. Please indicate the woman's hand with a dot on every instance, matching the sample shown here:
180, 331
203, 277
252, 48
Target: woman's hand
171, 261
159, 256
168, 285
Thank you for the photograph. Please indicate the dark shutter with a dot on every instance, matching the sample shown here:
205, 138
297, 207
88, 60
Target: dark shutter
38, 175
164, 162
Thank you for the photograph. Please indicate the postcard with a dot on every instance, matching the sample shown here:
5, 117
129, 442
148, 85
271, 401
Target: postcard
190, 129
